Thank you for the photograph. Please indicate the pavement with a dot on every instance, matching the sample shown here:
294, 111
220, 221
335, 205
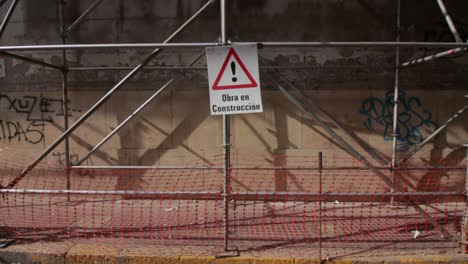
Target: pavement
124, 252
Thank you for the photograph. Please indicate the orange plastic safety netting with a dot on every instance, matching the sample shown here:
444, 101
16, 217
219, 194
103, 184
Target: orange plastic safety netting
274, 200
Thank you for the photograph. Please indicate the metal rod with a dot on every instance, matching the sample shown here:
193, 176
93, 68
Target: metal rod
109, 46
464, 224
224, 40
65, 91
7, 17
299, 196
85, 116
226, 141
83, 16
320, 166
396, 101
450, 24
104, 68
433, 57
330, 131
31, 60
359, 44
150, 167
317, 107
455, 34
130, 117
264, 44
258, 168
188, 68
434, 134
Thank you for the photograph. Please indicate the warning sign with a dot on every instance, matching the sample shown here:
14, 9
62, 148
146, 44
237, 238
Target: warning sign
234, 80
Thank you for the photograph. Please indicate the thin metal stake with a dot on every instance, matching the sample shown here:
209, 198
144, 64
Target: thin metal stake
65, 94
464, 231
320, 165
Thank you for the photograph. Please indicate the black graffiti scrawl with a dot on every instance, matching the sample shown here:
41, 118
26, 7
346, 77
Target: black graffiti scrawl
31, 114
414, 120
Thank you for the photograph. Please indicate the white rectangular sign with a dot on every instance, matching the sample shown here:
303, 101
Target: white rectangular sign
2, 68
234, 80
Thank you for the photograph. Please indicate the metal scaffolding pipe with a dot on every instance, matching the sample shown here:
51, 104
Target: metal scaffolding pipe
396, 97
315, 105
455, 34
226, 141
263, 44
112, 68
349, 148
7, 17
434, 134
182, 68
86, 115
109, 46
83, 16
32, 61
258, 168
320, 166
255, 196
130, 117
433, 57
450, 24
360, 44
65, 90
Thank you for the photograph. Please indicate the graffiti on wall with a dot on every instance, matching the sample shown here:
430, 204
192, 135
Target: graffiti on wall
414, 120
30, 114
74, 158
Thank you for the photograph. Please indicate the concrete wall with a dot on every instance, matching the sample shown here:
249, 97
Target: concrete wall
352, 84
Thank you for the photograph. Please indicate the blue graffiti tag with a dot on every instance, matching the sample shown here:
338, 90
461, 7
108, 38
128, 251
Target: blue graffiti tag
413, 119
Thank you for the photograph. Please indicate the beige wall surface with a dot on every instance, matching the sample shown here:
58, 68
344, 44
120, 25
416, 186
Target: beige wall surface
353, 85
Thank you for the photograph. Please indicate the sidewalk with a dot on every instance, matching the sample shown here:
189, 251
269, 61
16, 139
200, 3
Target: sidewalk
79, 252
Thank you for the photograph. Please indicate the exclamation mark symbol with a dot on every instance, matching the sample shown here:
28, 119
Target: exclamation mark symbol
233, 69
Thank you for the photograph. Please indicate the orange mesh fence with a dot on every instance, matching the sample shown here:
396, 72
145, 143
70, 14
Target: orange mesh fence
275, 200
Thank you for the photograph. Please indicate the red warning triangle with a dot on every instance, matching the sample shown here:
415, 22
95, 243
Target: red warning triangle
251, 83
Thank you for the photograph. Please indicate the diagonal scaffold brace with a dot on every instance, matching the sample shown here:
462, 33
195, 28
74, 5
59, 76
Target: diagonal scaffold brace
86, 115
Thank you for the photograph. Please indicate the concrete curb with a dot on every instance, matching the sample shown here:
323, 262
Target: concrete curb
89, 253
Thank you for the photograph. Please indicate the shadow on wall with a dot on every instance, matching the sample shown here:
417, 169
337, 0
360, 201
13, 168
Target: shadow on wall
431, 181
174, 138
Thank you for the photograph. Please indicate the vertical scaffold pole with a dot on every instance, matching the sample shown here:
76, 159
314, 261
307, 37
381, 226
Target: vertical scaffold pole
226, 143
395, 103
63, 33
320, 166
464, 231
